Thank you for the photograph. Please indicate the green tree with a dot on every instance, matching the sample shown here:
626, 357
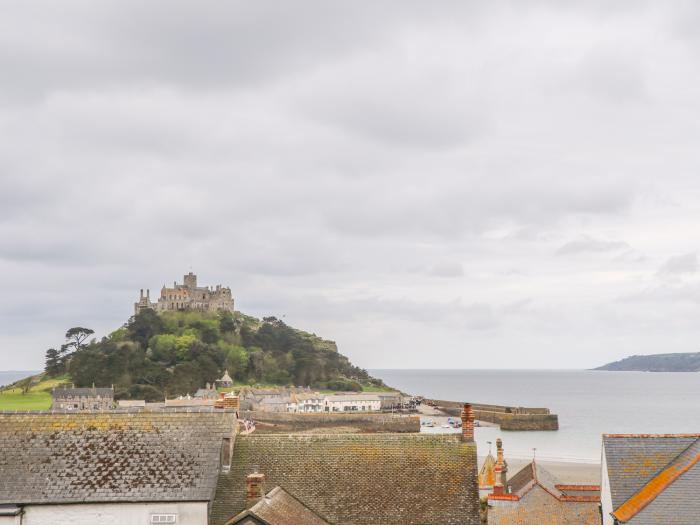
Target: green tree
76, 336
227, 323
54, 363
144, 325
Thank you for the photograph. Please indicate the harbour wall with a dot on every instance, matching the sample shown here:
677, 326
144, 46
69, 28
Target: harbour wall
507, 417
276, 422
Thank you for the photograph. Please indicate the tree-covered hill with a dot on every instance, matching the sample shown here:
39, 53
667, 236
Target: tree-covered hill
175, 353
680, 362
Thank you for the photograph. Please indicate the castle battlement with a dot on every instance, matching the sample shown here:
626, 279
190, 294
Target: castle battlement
188, 296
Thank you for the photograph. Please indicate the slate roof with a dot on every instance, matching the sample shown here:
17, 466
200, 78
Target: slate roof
278, 507
654, 479
360, 479
82, 392
111, 456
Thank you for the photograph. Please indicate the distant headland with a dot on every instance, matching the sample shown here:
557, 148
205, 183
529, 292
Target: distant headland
679, 362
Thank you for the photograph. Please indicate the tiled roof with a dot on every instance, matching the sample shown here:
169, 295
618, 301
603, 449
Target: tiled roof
278, 507
360, 479
113, 456
539, 507
654, 478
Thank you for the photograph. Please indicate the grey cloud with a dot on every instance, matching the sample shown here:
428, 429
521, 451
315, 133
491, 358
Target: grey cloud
447, 269
330, 160
587, 244
680, 265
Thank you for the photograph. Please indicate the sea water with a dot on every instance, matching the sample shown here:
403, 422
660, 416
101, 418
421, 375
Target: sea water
7, 378
589, 404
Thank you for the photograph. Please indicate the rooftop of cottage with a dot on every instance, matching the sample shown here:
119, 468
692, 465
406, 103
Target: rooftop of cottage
111, 456
536, 496
278, 507
359, 479
653, 476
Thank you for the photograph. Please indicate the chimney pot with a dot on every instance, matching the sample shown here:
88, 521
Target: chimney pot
467, 423
254, 488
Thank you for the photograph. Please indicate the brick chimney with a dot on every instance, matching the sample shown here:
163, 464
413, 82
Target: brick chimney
498, 489
467, 423
255, 488
499, 470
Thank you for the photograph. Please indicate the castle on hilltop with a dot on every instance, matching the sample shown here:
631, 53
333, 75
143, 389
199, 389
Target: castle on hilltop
188, 296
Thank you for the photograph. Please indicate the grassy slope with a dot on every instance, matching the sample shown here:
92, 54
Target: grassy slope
38, 397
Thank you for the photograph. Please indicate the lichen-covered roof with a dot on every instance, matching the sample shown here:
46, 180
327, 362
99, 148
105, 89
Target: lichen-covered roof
541, 508
278, 507
665, 490
632, 460
360, 479
113, 456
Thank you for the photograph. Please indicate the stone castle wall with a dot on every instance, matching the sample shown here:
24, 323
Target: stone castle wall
188, 296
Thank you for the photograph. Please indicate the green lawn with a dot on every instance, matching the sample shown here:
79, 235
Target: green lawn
38, 397
15, 400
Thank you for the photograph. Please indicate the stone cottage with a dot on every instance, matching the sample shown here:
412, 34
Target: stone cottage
112, 468
81, 399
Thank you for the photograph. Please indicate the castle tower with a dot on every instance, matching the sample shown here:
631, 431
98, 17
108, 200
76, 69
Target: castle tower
190, 281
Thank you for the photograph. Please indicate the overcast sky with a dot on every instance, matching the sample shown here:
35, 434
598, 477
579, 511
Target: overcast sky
430, 184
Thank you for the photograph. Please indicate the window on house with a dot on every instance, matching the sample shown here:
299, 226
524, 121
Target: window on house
163, 518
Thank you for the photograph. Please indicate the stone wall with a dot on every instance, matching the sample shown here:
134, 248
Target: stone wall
508, 418
365, 423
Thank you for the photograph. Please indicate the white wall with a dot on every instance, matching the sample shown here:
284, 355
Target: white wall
9, 520
605, 496
112, 513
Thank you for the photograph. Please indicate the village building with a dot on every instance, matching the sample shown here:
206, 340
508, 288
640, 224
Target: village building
252, 398
112, 467
534, 496
188, 296
277, 507
389, 400
650, 479
82, 399
131, 403
209, 392
355, 402
225, 381
352, 479
306, 402
276, 404
493, 469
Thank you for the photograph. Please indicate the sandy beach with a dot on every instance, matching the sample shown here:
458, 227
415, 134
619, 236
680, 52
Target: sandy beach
564, 471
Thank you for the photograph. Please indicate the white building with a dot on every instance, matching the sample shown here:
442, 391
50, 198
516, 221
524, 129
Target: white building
352, 403
112, 468
307, 403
